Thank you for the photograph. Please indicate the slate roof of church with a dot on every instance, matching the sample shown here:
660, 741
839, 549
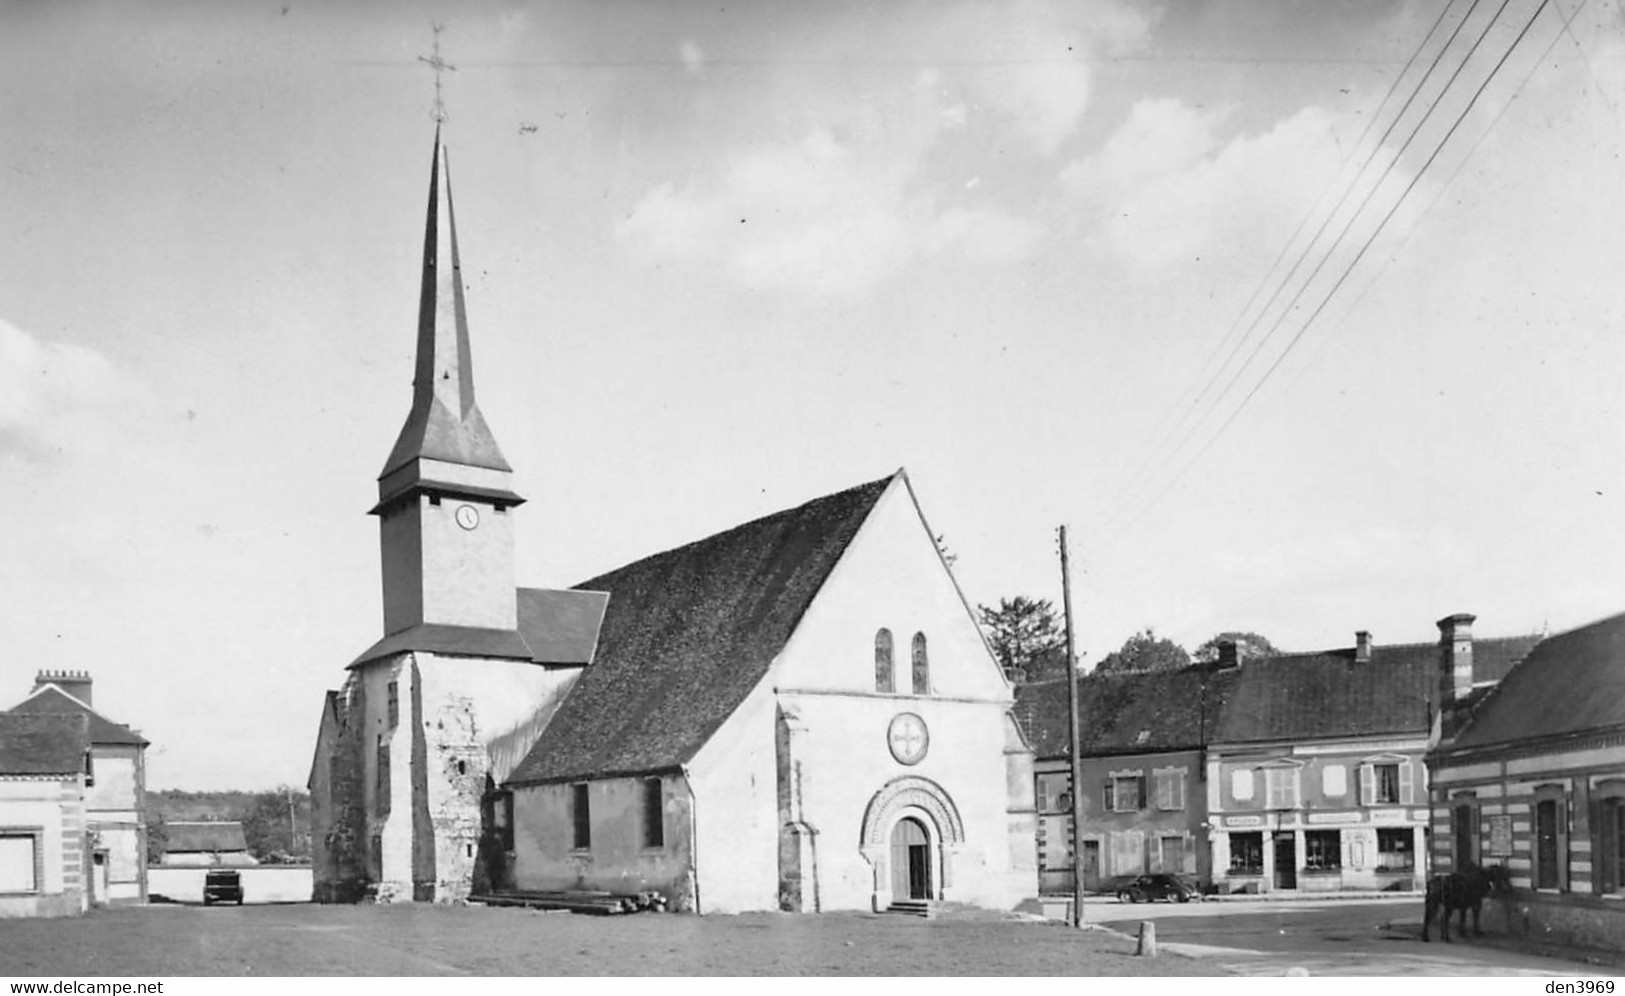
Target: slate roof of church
43, 743
103, 731
1134, 713
1330, 695
688, 634
208, 837
1571, 683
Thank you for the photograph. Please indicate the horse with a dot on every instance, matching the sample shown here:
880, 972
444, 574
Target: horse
1458, 892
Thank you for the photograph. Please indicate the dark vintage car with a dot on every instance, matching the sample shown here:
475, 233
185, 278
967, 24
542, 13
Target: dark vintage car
222, 886
1150, 888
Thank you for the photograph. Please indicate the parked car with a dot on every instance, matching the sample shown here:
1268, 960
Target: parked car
222, 886
1150, 888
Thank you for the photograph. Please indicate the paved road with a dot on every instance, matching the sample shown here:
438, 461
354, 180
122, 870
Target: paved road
1325, 937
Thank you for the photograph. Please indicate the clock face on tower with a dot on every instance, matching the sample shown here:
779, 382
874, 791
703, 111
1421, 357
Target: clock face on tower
908, 738
468, 516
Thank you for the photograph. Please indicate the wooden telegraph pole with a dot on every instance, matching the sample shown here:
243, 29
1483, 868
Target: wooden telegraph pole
1076, 747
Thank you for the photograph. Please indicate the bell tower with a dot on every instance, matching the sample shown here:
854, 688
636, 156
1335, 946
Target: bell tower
445, 497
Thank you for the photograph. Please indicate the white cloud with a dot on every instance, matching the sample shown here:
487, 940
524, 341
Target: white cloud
693, 58
52, 394
818, 215
1165, 189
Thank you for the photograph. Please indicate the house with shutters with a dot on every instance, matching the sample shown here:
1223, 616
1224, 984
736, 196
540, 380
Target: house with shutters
1144, 781
1315, 774
115, 788
44, 867
1532, 776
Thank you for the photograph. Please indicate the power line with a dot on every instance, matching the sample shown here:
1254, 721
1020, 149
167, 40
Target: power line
1258, 348
1308, 322
1156, 438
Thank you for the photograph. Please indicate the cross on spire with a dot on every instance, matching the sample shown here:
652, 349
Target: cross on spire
439, 65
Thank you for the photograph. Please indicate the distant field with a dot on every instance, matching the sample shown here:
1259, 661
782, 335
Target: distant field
444, 940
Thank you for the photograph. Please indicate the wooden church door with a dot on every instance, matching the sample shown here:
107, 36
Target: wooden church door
910, 860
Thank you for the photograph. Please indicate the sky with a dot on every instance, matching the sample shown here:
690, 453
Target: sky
722, 260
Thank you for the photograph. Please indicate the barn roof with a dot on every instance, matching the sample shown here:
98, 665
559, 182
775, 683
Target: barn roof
43, 743
688, 634
1572, 683
207, 837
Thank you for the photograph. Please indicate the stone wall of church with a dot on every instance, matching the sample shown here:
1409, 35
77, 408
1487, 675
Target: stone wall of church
627, 848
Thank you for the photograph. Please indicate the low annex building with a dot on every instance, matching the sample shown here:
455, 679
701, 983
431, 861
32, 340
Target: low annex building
798, 713
1534, 778
206, 844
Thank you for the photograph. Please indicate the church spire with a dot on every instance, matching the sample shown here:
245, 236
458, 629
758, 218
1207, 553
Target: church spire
445, 424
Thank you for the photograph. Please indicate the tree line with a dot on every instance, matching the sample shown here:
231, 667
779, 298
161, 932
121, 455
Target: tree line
1028, 640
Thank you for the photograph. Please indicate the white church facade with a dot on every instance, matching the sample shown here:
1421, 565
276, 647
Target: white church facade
799, 713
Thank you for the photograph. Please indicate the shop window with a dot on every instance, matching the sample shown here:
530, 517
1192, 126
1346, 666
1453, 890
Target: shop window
1323, 850
922, 666
883, 661
1247, 854
654, 813
580, 818
1051, 792
1396, 849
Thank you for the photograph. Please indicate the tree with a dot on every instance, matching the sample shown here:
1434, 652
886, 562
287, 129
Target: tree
1145, 651
275, 825
1249, 646
157, 837
1026, 637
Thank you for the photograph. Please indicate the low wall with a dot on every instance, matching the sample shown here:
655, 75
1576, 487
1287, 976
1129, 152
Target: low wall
261, 884
1569, 919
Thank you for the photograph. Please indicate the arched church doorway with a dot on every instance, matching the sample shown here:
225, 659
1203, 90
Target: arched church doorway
910, 860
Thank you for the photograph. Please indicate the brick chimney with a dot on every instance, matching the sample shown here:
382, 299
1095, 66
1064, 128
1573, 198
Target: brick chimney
1455, 657
1227, 654
1362, 646
75, 683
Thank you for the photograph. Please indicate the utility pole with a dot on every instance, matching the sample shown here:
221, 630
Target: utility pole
1076, 747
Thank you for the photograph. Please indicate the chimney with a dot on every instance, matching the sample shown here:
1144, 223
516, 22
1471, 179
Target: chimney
75, 683
1227, 654
1455, 657
1362, 646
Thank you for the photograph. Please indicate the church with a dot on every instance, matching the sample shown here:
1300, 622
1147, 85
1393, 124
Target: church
799, 713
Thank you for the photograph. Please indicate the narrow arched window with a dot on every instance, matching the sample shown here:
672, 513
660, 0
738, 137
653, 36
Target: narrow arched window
883, 662
922, 667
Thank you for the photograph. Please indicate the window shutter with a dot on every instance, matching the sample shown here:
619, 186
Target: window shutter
1406, 779
1368, 784
1144, 802
1108, 798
